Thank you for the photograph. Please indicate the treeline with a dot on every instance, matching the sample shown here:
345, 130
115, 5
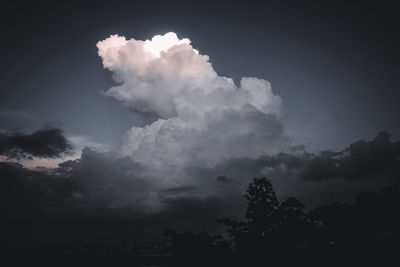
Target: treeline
282, 233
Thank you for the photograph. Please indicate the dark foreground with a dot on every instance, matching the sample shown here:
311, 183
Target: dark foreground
366, 233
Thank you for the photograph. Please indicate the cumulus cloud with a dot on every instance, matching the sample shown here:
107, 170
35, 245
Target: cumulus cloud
203, 117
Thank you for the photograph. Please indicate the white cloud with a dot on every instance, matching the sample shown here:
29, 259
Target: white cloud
204, 117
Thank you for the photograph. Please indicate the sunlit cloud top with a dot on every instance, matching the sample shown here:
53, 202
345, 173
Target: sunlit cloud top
160, 43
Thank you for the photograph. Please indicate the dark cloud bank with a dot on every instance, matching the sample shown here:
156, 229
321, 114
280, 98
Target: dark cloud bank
47, 143
101, 197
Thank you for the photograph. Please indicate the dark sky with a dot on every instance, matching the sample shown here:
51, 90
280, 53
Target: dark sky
335, 64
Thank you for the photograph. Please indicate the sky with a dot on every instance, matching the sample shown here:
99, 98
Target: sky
142, 113
338, 58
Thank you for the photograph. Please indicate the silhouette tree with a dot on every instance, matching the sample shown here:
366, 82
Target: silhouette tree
270, 227
362, 234
296, 226
261, 200
259, 232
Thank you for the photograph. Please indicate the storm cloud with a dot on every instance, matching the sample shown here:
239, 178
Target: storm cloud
98, 198
102, 196
361, 160
46, 143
